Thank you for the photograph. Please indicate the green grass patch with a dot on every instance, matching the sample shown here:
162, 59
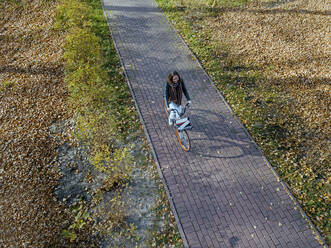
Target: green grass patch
97, 87
100, 99
81, 217
4, 85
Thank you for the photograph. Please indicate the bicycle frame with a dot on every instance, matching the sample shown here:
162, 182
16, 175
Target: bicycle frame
182, 124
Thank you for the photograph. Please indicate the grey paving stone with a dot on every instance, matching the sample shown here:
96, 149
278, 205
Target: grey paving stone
223, 187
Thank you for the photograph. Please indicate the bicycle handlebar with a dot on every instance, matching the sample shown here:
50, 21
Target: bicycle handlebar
185, 107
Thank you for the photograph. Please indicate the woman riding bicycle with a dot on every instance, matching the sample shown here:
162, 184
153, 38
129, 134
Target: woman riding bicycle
174, 90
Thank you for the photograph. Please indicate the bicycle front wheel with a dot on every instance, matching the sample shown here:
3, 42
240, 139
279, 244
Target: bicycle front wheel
183, 139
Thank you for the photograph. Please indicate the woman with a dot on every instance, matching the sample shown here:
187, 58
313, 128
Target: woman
174, 90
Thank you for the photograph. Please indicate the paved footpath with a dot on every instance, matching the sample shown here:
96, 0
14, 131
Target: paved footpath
223, 192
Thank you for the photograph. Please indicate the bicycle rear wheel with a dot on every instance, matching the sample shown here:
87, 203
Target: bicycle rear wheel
183, 139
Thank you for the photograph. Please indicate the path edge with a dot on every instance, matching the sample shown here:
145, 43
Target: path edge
312, 227
172, 205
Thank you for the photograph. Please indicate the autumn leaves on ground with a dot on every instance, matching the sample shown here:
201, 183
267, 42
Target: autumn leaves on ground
270, 59
32, 97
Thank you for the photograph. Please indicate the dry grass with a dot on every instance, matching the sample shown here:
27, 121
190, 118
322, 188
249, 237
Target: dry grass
32, 96
290, 43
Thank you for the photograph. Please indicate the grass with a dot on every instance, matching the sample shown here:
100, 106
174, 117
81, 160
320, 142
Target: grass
206, 3
265, 75
106, 115
6, 85
100, 99
98, 92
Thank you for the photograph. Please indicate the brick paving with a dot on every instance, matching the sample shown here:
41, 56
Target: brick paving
223, 192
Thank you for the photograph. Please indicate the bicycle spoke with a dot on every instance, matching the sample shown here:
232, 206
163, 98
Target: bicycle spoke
184, 141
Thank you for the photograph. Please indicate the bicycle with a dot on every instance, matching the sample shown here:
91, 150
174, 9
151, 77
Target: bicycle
181, 126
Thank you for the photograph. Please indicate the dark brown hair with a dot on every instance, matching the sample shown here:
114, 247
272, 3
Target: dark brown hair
171, 75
